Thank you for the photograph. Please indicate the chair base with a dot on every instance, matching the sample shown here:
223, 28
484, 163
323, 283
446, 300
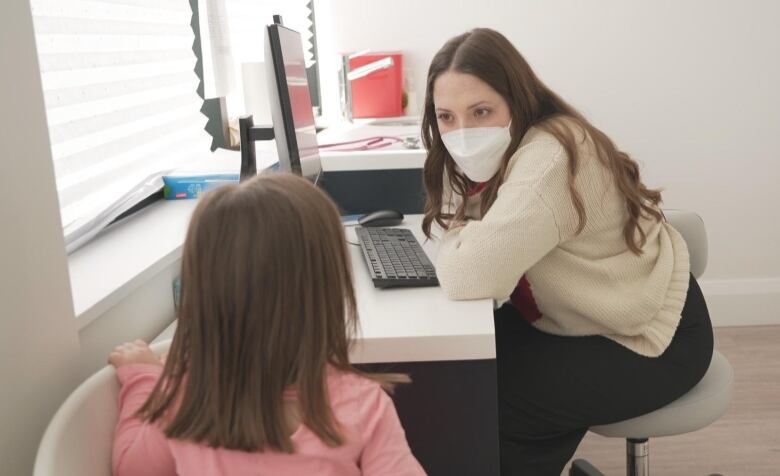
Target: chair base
637, 461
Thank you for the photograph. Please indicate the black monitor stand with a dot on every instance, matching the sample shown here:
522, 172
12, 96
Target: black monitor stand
249, 133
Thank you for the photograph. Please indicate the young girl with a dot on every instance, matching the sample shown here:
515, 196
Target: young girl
601, 320
258, 379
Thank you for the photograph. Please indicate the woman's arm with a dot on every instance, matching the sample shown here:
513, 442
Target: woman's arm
486, 258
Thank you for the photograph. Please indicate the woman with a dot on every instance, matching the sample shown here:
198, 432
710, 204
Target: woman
598, 318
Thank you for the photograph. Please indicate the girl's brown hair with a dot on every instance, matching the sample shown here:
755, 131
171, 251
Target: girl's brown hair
267, 303
489, 56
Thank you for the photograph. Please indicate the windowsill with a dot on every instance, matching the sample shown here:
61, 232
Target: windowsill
126, 255
129, 253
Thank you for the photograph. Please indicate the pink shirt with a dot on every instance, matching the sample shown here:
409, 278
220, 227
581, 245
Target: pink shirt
375, 441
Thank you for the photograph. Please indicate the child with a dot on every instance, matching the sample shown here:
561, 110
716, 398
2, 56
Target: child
258, 379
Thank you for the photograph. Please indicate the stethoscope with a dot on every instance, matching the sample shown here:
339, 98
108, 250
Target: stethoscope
373, 143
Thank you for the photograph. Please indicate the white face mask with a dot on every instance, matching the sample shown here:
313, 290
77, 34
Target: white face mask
478, 150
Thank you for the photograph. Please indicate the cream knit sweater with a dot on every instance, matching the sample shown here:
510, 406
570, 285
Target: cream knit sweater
585, 284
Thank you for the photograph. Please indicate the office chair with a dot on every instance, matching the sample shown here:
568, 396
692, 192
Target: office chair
702, 405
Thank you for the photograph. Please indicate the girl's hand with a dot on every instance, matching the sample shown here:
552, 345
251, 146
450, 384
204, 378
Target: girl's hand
136, 352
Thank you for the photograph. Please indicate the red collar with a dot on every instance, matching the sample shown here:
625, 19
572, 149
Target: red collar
476, 188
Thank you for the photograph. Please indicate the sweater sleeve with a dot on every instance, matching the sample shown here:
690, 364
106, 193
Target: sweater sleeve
486, 258
386, 452
139, 447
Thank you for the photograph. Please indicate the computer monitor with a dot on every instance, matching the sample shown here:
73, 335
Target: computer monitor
290, 101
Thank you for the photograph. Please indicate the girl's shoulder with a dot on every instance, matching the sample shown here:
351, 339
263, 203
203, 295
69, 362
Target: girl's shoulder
356, 400
350, 385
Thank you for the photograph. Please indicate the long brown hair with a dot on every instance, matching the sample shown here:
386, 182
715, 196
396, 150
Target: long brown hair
267, 303
489, 56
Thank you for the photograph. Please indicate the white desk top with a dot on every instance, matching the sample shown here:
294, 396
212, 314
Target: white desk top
417, 324
414, 324
392, 157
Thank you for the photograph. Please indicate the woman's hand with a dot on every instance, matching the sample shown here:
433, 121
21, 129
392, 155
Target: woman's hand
136, 352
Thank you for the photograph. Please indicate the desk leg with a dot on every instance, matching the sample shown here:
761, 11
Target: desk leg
450, 414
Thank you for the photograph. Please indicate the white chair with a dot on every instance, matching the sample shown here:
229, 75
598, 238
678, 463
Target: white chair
702, 405
79, 438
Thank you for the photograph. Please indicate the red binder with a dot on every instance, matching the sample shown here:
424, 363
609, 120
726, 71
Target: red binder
380, 94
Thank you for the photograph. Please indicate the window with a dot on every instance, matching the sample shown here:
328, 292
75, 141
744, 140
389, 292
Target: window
121, 102
123, 95
232, 35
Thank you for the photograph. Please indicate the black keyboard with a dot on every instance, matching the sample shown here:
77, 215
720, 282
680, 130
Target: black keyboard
395, 258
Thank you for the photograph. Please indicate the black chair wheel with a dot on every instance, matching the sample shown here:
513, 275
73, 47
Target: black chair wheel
580, 467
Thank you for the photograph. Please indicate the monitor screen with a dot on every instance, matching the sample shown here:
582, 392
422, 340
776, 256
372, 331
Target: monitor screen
291, 109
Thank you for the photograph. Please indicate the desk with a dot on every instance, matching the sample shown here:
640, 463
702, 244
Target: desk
365, 181
450, 411
392, 157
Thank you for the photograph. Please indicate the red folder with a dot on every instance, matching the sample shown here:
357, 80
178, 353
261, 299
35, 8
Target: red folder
380, 94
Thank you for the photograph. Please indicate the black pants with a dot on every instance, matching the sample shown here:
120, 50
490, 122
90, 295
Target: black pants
551, 389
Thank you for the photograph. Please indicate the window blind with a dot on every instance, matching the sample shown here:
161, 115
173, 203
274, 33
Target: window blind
121, 102
233, 33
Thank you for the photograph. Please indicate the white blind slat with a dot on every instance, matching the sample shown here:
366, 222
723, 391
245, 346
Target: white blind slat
74, 44
66, 110
101, 10
135, 166
75, 168
65, 62
98, 75
126, 130
65, 131
66, 26
179, 148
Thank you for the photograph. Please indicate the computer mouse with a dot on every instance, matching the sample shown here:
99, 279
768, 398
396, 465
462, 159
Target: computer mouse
381, 218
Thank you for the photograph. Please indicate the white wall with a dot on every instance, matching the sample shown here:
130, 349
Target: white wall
143, 314
43, 354
37, 330
689, 88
